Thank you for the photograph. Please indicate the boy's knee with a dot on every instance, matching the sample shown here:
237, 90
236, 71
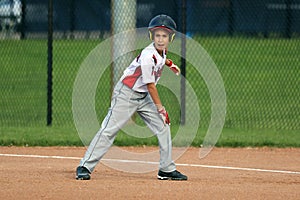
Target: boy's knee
164, 129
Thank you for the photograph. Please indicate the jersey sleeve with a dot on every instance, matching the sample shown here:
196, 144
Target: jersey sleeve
147, 67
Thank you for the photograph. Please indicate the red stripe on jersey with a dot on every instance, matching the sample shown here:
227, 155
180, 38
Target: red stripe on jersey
154, 59
131, 79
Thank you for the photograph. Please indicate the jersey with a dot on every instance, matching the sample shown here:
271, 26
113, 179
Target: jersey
144, 69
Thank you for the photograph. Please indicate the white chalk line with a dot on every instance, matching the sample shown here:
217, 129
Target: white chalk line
156, 163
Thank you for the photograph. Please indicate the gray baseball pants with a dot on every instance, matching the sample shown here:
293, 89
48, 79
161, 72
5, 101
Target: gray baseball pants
125, 102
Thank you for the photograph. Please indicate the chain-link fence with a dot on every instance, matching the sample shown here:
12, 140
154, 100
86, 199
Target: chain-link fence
254, 44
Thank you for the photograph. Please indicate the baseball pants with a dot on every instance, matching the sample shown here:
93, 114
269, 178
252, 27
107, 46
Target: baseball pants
125, 102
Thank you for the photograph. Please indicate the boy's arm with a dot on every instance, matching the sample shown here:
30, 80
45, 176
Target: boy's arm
155, 97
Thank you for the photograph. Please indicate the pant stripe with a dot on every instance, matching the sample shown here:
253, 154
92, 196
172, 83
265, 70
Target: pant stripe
107, 121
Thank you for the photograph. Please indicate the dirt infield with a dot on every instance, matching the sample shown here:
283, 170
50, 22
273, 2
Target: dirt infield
226, 173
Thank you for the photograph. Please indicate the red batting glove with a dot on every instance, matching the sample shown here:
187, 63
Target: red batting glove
165, 116
173, 67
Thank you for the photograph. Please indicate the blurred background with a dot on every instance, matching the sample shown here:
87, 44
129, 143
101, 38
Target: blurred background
80, 19
255, 45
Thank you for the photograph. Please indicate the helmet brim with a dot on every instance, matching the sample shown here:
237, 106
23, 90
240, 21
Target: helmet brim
161, 27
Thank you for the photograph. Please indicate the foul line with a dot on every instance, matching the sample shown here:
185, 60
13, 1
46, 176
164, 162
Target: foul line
156, 163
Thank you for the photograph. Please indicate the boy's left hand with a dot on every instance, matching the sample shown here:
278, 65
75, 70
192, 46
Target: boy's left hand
164, 115
173, 67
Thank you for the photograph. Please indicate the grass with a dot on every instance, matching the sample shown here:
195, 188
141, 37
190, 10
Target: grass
39, 136
66, 136
261, 78
23, 82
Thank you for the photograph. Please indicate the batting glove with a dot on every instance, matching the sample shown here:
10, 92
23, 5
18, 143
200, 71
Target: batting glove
173, 67
164, 115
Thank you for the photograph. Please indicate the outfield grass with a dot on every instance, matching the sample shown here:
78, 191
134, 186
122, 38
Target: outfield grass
261, 78
23, 75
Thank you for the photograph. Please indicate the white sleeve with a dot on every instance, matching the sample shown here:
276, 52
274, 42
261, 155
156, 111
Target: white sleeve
147, 66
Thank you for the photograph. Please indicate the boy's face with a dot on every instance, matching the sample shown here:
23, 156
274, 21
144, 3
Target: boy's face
161, 39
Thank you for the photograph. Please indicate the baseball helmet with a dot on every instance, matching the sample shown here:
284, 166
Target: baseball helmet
162, 21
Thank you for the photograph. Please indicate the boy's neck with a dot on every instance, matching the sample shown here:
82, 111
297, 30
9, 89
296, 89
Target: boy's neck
160, 52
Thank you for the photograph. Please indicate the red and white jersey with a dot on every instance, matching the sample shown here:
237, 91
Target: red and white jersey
146, 68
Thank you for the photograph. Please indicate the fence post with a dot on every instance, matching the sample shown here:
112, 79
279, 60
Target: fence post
183, 62
49, 62
231, 18
123, 19
288, 20
72, 19
23, 15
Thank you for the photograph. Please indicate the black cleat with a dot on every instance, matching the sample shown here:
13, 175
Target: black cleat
174, 175
82, 173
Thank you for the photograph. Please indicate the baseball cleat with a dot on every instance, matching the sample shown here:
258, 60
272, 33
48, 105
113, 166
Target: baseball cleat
82, 173
174, 175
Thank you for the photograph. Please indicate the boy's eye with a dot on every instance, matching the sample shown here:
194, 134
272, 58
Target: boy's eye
164, 36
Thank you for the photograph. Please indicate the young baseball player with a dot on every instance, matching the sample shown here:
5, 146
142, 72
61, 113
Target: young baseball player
136, 92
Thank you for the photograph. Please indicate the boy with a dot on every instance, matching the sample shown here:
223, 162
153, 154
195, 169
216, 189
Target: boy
136, 92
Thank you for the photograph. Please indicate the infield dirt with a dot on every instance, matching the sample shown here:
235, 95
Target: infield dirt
54, 178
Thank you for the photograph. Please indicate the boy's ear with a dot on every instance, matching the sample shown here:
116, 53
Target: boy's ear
150, 35
171, 37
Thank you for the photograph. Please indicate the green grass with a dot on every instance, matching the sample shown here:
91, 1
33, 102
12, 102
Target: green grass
39, 136
261, 78
66, 136
23, 70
